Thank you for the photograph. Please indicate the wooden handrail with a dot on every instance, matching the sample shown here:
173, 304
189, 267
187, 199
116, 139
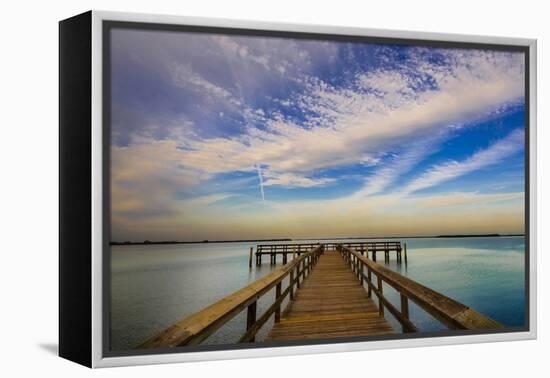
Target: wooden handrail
197, 327
286, 248
451, 313
373, 246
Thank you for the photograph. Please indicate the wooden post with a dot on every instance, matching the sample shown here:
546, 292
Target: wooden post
405, 310
278, 309
291, 283
251, 318
250, 258
405, 245
361, 268
380, 294
369, 279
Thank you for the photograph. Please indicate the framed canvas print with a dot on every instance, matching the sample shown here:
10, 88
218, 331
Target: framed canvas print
232, 189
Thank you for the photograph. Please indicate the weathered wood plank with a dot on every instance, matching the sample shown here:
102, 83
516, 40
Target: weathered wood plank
330, 303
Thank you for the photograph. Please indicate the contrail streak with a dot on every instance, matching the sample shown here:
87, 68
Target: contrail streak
261, 181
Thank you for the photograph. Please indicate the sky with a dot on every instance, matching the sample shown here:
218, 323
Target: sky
225, 137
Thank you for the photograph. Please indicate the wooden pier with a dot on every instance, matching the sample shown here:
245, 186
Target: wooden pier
333, 290
296, 249
331, 303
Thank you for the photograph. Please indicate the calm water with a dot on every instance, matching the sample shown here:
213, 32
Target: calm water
154, 286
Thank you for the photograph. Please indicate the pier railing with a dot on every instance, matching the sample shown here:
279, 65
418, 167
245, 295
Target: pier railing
285, 248
449, 312
282, 249
375, 246
197, 327
296, 249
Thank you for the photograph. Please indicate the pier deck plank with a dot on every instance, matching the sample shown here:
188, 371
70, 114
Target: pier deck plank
330, 303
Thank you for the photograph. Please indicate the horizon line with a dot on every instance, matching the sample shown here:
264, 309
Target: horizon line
204, 241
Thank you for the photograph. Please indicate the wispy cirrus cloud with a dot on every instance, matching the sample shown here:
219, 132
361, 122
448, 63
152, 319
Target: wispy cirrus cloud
402, 162
495, 153
344, 124
291, 180
457, 199
183, 75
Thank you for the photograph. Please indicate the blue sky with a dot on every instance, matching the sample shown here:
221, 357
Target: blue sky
230, 137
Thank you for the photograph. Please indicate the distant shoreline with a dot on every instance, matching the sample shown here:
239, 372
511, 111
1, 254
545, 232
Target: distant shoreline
149, 242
